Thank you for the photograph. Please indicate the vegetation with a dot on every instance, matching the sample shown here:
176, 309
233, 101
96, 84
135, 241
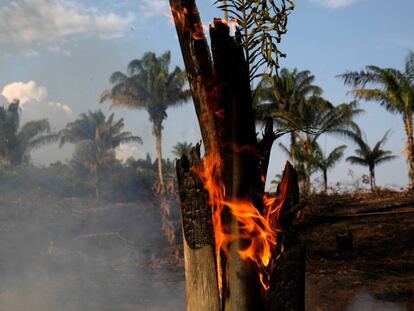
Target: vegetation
326, 162
298, 107
16, 142
392, 89
95, 139
260, 27
93, 168
283, 96
181, 148
149, 85
371, 157
297, 152
291, 98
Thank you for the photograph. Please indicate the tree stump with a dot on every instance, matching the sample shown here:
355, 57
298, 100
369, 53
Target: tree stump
220, 87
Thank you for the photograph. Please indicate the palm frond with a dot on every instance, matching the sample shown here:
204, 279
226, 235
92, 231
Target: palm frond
181, 148
117, 77
43, 140
409, 66
32, 129
382, 141
386, 159
335, 155
127, 139
356, 160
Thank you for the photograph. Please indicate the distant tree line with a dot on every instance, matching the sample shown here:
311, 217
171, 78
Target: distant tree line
291, 98
93, 168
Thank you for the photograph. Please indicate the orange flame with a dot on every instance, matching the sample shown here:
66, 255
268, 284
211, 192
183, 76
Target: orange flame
259, 231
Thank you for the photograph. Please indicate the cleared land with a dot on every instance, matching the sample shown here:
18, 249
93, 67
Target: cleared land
72, 254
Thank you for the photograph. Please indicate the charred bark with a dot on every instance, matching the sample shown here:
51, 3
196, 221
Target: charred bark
288, 273
199, 260
241, 175
220, 87
288, 280
199, 67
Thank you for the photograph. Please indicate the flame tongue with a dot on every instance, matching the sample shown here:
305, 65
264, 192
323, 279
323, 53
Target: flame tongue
258, 232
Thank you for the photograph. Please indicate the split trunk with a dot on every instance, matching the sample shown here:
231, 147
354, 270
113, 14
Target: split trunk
220, 87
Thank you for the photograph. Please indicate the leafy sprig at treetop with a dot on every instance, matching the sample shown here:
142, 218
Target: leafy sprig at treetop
260, 27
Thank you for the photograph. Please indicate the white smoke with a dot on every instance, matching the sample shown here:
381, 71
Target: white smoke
365, 302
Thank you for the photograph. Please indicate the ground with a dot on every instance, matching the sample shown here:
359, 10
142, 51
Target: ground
378, 273
75, 254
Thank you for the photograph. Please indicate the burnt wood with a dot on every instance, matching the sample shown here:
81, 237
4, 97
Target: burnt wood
196, 213
241, 171
220, 87
199, 260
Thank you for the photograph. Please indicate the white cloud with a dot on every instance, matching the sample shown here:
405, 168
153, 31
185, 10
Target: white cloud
154, 7
34, 103
113, 25
125, 151
335, 4
24, 92
35, 21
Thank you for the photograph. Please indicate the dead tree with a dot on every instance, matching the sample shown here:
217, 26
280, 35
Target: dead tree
220, 87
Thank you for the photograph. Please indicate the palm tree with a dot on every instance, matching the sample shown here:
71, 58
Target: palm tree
298, 151
17, 142
181, 148
326, 162
319, 117
283, 96
393, 89
95, 138
366, 156
149, 85
296, 104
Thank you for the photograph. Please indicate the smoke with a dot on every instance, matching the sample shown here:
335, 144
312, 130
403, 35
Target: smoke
365, 302
74, 255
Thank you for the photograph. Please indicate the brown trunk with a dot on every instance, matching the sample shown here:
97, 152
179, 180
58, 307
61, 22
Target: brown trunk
167, 226
199, 263
158, 137
199, 68
98, 183
372, 178
309, 151
408, 126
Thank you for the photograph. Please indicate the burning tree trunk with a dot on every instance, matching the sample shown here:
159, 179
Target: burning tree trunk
201, 277
229, 229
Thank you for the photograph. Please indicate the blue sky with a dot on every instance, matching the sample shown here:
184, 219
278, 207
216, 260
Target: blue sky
58, 56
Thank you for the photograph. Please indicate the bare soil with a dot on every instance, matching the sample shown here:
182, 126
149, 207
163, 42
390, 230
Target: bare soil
73, 254
378, 273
